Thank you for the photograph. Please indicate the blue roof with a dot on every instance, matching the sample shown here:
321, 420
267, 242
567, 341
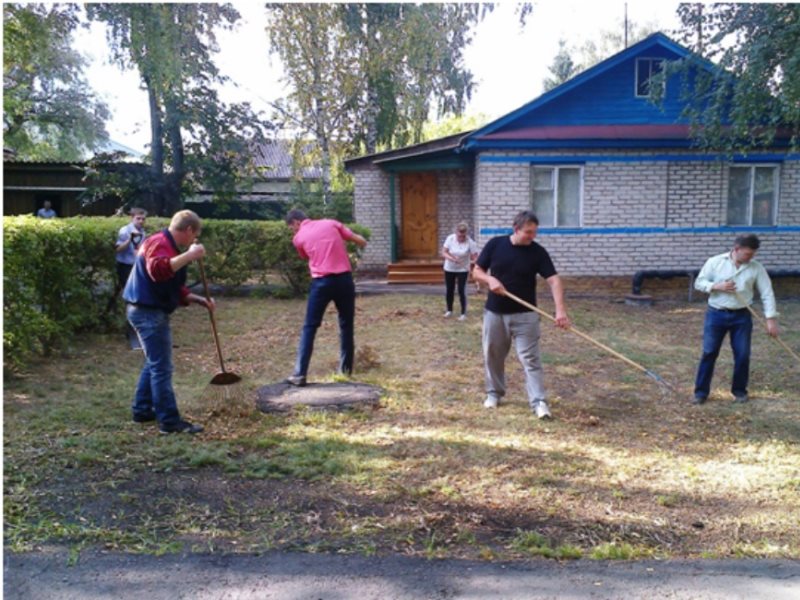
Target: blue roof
602, 95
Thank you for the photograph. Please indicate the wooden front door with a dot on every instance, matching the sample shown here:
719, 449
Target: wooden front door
419, 215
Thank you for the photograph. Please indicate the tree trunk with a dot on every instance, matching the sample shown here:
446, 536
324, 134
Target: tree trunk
174, 182
371, 116
372, 48
156, 152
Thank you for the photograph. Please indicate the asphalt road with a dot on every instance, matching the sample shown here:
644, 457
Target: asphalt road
289, 576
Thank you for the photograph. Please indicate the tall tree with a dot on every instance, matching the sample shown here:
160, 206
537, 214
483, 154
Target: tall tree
195, 138
411, 58
49, 111
755, 95
368, 75
323, 69
562, 69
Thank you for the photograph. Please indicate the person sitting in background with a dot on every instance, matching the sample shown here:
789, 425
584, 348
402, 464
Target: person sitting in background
46, 212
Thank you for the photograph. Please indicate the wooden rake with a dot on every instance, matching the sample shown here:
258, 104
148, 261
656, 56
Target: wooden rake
225, 377
625, 359
763, 321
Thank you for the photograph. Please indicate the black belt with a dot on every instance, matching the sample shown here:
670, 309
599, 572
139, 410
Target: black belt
730, 310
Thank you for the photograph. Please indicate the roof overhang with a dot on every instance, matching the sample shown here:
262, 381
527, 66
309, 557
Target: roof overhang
434, 151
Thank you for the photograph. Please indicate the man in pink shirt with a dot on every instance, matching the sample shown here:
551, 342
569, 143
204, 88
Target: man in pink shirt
322, 243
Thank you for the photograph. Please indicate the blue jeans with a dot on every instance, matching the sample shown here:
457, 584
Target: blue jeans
342, 291
154, 393
739, 325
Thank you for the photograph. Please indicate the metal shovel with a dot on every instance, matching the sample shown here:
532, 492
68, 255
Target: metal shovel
225, 377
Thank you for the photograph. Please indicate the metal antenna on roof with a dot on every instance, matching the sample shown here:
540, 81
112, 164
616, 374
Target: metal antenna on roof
626, 24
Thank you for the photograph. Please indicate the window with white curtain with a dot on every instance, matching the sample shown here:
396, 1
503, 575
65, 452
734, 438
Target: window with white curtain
556, 195
752, 195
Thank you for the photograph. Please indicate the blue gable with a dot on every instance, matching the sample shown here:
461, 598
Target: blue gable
607, 100
604, 95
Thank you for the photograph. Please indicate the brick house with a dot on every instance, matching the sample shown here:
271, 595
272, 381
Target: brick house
614, 179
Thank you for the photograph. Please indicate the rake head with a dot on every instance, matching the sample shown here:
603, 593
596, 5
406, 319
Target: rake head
657, 378
225, 378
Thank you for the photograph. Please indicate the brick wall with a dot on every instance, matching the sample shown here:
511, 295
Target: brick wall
619, 194
647, 194
454, 201
789, 205
596, 254
371, 209
697, 194
616, 195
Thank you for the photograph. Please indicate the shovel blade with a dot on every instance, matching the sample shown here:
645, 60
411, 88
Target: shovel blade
225, 378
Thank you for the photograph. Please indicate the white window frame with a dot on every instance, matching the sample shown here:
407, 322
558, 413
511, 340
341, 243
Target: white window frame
636, 75
554, 174
776, 180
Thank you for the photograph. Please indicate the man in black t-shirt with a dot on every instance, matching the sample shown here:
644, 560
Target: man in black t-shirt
512, 263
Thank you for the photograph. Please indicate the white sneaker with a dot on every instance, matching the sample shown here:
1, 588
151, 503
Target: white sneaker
490, 402
462, 318
542, 410
449, 313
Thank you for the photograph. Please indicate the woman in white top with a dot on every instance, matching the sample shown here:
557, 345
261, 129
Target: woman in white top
459, 251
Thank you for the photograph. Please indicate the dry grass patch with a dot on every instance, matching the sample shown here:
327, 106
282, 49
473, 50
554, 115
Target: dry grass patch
624, 471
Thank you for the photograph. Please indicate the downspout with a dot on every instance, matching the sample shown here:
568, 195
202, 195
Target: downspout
392, 223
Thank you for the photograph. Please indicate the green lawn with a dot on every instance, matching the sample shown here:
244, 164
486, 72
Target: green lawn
624, 470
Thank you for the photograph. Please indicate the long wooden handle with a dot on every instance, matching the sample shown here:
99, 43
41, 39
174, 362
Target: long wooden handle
211, 313
763, 321
580, 333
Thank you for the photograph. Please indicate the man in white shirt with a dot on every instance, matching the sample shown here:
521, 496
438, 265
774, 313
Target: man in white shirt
730, 279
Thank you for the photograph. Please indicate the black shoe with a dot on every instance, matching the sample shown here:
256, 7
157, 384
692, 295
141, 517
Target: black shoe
296, 380
741, 399
699, 400
181, 427
144, 418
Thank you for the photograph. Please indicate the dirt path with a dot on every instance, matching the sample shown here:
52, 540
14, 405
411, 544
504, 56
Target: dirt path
288, 576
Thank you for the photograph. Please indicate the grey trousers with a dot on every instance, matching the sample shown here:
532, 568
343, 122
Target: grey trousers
498, 332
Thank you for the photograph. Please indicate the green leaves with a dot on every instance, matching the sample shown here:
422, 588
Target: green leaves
369, 75
59, 274
756, 95
198, 141
49, 111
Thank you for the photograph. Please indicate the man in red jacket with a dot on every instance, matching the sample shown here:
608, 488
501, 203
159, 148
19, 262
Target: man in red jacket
155, 288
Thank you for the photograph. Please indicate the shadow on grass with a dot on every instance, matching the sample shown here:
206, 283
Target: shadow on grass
410, 496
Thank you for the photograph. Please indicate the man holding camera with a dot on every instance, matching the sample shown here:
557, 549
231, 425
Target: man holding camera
129, 239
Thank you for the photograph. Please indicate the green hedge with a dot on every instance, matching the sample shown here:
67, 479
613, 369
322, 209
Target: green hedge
59, 274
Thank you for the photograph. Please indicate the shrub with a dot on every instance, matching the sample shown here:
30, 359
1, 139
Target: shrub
59, 274
57, 277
